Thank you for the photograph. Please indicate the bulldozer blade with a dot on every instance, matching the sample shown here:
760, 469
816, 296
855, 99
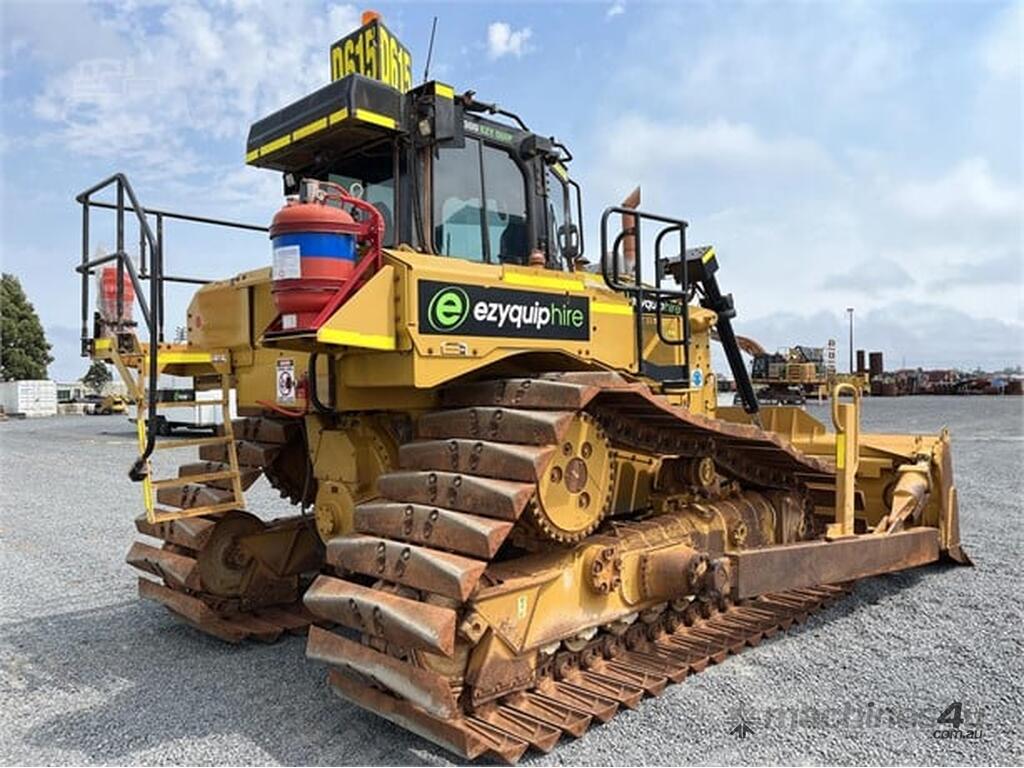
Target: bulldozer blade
502, 499
418, 567
190, 532
806, 564
175, 569
500, 424
427, 690
247, 476
520, 393
480, 457
450, 735
399, 620
434, 526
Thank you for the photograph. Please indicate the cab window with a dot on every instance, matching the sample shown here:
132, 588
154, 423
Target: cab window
505, 188
479, 204
556, 206
380, 194
458, 210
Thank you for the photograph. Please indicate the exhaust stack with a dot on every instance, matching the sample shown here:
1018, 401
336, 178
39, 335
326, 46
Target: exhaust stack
629, 230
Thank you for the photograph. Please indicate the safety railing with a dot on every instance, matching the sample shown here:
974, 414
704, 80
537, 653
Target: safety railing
150, 267
661, 300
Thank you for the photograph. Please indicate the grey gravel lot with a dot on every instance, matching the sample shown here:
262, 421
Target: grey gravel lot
89, 674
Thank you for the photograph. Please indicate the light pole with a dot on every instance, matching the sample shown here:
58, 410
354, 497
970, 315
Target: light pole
849, 311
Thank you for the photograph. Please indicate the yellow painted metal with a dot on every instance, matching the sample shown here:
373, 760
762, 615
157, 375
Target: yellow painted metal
151, 486
384, 362
575, 490
846, 420
369, 116
347, 460
368, 318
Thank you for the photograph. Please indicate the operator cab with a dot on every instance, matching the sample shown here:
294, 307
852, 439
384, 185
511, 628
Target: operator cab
451, 176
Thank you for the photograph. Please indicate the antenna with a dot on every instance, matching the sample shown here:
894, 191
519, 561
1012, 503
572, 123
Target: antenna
430, 50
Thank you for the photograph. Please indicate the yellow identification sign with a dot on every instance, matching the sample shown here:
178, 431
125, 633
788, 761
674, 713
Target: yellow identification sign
372, 51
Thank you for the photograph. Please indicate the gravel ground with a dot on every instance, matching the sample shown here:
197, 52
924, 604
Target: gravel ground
89, 674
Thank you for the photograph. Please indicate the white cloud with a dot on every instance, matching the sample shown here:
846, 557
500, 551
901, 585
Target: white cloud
197, 71
660, 153
842, 56
1001, 50
969, 189
615, 9
502, 40
881, 275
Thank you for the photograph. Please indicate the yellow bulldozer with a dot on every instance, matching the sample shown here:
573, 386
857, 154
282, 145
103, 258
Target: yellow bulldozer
511, 504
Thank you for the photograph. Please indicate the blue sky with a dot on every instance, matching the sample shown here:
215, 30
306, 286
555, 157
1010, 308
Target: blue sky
837, 154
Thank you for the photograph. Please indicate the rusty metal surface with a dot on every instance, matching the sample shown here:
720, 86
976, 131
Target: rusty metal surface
449, 735
426, 690
407, 623
229, 574
250, 454
432, 570
265, 430
520, 393
437, 527
480, 457
176, 569
247, 476
190, 532
506, 425
583, 694
193, 495
502, 499
635, 416
810, 563
478, 465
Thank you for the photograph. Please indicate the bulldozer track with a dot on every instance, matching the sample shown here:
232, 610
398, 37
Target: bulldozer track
273, 607
428, 544
592, 691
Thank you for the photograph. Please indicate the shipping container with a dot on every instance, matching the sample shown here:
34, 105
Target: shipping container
29, 399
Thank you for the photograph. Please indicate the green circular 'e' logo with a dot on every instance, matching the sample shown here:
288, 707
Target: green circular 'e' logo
448, 309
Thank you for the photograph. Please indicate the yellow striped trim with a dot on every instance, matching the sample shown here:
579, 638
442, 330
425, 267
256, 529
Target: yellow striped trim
609, 308
708, 256
539, 281
375, 117
444, 91
560, 171
309, 128
170, 358
355, 339
840, 451
365, 115
276, 144
99, 344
